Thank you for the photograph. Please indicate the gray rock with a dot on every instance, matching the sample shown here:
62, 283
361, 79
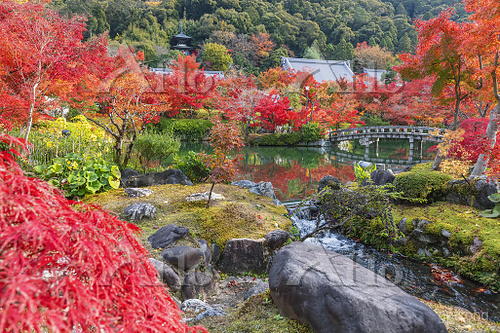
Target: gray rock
170, 176
138, 192
207, 252
364, 164
204, 196
259, 288
198, 284
485, 189
381, 177
421, 224
215, 253
445, 233
424, 253
276, 238
402, 225
476, 244
333, 294
183, 257
167, 236
126, 174
167, 275
140, 210
201, 309
330, 181
244, 183
243, 255
265, 189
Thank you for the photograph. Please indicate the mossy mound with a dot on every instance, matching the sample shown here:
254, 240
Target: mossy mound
241, 215
464, 224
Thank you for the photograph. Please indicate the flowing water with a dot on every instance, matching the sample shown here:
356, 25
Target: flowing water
422, 280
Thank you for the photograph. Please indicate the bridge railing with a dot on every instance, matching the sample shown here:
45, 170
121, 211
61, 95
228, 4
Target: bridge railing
369, 131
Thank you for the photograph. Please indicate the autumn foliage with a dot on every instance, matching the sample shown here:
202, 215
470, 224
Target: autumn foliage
66, 266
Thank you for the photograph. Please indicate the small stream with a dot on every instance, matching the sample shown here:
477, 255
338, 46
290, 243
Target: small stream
413, 276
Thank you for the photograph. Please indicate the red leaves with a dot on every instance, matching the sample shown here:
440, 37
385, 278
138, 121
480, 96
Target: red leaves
65, 266
188, 86
442, 275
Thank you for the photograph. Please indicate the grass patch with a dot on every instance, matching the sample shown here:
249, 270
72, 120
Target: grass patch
458, 320
257, 314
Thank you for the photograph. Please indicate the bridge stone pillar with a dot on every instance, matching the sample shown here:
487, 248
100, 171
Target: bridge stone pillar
410, 157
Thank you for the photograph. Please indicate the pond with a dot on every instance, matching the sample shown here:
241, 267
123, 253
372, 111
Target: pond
296, 171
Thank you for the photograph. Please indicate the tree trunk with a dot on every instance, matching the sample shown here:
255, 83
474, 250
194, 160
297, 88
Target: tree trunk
491, 134
210, 194
31, 111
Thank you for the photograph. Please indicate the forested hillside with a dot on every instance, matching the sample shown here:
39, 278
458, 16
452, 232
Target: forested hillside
332, 27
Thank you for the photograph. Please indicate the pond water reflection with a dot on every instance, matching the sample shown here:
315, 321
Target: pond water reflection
296, 171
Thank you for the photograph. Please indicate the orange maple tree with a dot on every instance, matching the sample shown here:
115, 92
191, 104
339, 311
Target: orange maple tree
40, 52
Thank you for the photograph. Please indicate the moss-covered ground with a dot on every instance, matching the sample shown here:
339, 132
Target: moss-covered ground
241, 215
465, 224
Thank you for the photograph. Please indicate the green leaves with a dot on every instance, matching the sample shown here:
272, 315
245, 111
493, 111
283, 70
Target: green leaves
78, 176
495, 212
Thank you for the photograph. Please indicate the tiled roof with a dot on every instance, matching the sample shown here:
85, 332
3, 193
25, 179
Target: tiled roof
323, 70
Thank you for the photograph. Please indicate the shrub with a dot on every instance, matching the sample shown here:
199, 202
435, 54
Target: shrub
365, 213
69, 267
152, 147
78, 175
83, 138
311, 132
188, 129
422, 185
284, 139
193, 166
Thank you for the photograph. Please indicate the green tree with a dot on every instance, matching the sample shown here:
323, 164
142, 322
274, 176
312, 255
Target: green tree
343, 51
404, 45
216, 56
312, 53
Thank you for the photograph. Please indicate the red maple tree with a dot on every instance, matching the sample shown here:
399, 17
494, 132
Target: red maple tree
66, 266
188, 87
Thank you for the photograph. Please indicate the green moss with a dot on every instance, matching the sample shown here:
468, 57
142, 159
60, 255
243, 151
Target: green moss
241, 215
422, 185
464, 224
258, 314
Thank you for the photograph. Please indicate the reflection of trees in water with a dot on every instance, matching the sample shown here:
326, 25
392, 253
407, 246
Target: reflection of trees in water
294, 180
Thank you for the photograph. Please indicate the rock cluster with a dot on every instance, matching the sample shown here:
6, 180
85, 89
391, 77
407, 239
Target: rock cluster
189, 264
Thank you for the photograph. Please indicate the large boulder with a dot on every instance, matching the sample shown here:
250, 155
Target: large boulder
242, 255
382, 177
126, 174
276, 238
167, 236
332, 294
170, 176
167, 275
330, 181
183, 257
198, 284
